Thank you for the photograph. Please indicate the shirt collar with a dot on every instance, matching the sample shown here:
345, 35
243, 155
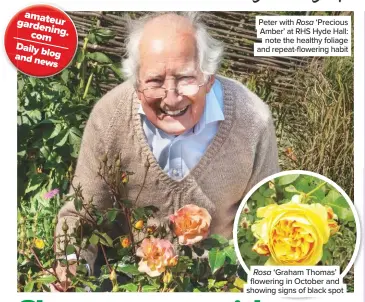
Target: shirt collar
213, 109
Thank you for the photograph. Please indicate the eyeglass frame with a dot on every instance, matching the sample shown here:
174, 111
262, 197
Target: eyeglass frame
170, 89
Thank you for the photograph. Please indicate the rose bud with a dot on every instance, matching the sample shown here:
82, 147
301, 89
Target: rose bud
139, 225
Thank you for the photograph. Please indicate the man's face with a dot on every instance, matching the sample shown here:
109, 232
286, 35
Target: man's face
168, 58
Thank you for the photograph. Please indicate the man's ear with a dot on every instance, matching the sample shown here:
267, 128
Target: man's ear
210, 83
139, 95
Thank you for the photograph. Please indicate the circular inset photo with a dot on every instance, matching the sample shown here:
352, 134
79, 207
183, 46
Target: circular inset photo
297, 218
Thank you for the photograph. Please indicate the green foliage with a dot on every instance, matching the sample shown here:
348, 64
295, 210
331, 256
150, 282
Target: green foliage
52, 113
340, 247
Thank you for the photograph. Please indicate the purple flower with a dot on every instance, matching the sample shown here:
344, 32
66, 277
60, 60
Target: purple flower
51, 193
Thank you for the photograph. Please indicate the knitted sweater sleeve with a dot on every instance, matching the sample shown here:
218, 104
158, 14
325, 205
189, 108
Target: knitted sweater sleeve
266, 155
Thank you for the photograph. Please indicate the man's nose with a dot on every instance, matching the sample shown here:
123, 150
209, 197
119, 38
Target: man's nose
172, 98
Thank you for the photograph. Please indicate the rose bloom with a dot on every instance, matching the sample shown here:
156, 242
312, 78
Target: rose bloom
125, 242
291, 233
332, 223
191, 224
156, 254
39, 243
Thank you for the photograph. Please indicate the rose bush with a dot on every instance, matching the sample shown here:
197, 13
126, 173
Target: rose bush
177, 256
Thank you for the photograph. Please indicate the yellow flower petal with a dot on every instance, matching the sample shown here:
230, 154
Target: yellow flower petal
293, 233
39, 243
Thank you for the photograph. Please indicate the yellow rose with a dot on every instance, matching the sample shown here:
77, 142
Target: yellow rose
139, 225
39, 243
261, 248
291, 233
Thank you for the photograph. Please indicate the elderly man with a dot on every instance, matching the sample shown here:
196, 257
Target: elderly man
190, 136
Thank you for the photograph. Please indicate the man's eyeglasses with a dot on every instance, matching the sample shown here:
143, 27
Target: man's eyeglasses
154, 93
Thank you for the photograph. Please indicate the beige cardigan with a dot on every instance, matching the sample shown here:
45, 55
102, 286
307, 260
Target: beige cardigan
242, 153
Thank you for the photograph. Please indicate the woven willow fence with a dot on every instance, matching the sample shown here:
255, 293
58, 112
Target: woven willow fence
235, 29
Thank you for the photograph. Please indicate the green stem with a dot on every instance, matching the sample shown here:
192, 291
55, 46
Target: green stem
81, 65
88, 85
106, 258
315, 189
86, 40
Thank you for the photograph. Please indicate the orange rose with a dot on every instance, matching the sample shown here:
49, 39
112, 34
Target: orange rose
334, 227
125, 242
191, 224
156, 254
330, 213
332, 223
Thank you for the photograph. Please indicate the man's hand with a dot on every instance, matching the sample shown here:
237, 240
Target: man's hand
61, 271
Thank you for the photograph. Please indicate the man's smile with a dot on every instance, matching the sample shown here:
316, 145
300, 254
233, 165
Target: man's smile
178, 112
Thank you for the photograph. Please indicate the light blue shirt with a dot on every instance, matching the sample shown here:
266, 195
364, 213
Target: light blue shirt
177, 155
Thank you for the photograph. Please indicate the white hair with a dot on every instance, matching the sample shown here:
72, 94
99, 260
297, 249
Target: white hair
209, 50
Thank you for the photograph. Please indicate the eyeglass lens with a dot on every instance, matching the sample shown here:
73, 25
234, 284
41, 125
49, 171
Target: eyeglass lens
187, 90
